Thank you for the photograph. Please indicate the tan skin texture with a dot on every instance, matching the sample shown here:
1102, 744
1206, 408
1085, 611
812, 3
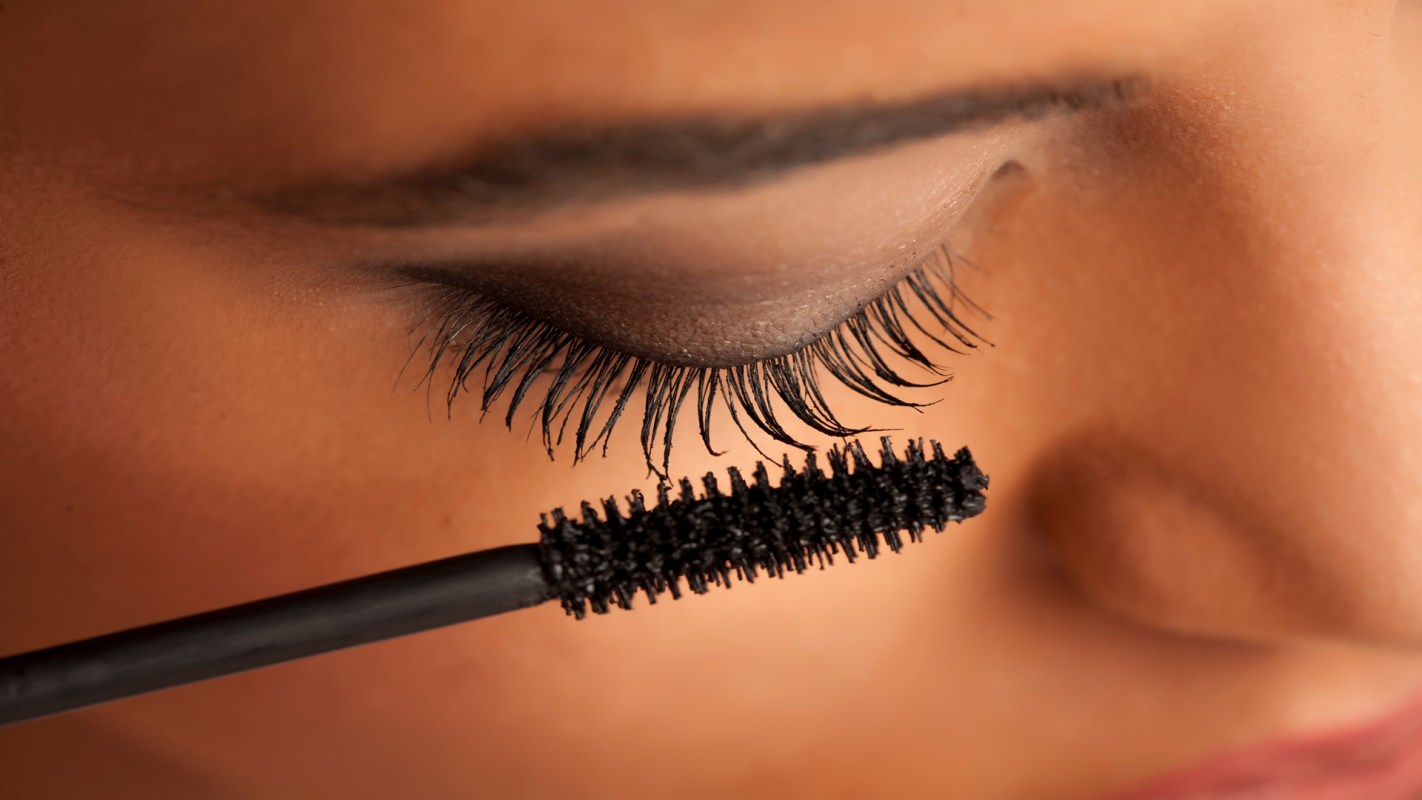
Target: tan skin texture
1201, 416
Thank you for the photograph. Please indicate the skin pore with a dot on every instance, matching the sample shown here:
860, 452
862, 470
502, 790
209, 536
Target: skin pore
1199, 412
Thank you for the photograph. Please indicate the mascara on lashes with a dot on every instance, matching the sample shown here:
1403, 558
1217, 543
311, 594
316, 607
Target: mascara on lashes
499, 353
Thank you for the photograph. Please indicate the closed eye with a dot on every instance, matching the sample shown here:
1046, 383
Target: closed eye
580, 389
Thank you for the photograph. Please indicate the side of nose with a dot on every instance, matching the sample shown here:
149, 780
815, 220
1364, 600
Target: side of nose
1249, 464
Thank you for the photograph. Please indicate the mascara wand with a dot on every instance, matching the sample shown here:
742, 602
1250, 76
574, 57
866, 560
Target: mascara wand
595, 562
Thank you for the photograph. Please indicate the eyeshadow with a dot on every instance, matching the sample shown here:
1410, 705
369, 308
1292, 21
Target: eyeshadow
579, 387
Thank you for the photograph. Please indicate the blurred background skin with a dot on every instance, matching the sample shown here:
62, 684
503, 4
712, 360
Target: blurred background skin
1202, 415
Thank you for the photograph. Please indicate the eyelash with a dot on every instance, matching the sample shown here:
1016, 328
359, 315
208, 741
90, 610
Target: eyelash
471, 331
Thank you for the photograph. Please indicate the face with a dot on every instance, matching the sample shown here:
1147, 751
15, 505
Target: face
1178, 240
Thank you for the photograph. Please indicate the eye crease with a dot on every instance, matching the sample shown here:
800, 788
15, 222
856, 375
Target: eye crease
499, 353
571, 164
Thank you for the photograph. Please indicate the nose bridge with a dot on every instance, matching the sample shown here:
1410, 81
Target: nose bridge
1309, 216
1301, 141
1315, 225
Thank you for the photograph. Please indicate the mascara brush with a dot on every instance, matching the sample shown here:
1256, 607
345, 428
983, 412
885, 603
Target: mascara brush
592, 563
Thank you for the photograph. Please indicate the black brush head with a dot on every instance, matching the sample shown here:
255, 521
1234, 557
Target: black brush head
812, 515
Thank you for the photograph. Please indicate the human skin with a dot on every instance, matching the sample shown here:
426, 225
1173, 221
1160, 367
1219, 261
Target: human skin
1200, 411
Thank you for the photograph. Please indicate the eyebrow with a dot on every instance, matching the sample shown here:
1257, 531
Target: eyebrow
542, 171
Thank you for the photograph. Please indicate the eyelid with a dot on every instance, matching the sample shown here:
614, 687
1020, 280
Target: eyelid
590, 385
539, 171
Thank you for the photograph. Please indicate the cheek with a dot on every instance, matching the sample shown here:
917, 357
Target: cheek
220, 446
176, 439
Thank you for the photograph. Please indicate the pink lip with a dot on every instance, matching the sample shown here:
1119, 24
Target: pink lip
1380, 760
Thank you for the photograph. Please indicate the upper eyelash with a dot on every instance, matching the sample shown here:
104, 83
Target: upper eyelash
473, 331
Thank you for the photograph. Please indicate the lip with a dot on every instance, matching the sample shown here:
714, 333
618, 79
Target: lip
1378, 760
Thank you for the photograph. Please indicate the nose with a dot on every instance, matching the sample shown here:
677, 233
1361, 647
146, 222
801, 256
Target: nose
1245, 267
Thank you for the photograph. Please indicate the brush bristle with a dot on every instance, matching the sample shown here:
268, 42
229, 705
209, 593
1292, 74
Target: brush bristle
809, 517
